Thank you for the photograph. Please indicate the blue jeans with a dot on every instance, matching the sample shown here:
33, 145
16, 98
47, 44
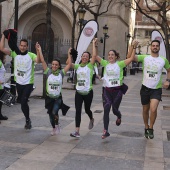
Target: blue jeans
53, 114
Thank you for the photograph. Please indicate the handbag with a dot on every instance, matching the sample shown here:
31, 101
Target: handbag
124, 88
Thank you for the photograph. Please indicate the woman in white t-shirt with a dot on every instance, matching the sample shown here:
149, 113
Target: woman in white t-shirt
53, 101
113, 87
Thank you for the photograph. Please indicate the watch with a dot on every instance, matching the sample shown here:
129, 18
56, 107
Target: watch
168, 80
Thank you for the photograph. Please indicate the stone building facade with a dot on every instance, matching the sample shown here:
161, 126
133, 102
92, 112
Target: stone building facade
32, 24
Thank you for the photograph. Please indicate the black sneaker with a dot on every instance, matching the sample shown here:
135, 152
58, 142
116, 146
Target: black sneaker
3, 117
150, 133
75, 134
118, 121
28, 124
105, 134
146, 133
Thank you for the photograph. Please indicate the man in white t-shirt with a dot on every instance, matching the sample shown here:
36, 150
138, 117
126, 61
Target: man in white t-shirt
151, 90
23, 74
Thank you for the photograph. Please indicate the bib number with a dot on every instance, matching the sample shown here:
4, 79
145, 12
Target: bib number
151, 75
114, 83
21, 73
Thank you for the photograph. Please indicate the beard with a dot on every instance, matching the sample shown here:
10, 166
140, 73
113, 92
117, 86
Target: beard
155, 51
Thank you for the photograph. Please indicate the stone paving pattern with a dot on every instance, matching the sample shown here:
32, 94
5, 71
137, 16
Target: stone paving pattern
125, 149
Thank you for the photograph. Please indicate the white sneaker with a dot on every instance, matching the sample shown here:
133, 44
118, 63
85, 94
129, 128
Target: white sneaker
58, 130
54, 132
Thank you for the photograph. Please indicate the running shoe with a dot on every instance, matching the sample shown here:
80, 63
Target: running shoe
28, 124
150, 133
91, 123
54, 132
118, 121
105, 134
3, 117
58, 128
75, 134
146, 133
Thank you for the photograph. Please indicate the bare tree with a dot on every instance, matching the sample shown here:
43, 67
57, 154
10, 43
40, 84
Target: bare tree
158, 8
95, 7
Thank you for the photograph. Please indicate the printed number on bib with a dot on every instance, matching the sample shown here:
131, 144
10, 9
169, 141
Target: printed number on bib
81, 82
114, 82
21, 73
150, 75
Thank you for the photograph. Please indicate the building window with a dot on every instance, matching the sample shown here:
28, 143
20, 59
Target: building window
148, 33
145, 19
150, 2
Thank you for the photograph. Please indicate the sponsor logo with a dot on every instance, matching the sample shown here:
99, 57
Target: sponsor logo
159, 39
88, 31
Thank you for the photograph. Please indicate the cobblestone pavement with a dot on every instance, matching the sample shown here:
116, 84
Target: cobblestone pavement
125, 149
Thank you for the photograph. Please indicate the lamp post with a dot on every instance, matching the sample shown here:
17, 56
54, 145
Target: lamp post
13, 88
127, 38
105, 31
103, 40
81, 13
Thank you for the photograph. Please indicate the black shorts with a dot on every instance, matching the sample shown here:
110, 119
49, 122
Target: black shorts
147, 94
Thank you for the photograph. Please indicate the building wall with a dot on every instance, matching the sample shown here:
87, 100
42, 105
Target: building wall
33, 12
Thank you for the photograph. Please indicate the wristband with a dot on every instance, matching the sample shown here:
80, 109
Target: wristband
168, 80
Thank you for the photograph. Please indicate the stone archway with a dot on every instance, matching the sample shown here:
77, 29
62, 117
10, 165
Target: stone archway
38, 36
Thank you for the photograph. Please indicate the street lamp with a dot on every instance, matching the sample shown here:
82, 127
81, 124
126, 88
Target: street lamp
81, 13
103, 40
13, 88
105, 31
127, 38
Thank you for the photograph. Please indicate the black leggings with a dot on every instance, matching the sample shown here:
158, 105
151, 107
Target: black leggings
111, 97
79, 98
24, 92
1, 92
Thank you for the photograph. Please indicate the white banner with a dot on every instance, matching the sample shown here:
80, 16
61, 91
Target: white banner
86, 36
156, 35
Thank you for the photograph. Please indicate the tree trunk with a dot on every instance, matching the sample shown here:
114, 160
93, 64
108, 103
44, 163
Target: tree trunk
47, 42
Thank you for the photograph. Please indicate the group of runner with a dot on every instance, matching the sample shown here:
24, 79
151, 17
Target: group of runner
113, 86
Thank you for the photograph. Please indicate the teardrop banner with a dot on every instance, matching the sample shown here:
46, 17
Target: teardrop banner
87, 34
156, 35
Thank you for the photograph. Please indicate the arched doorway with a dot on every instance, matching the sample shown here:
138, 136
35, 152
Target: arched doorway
39, 35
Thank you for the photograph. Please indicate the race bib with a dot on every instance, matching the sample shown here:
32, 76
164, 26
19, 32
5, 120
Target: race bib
54, 89
21, 73
151, 75
114, 82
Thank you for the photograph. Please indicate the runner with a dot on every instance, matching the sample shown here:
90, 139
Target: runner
53, 101
84, 91
23, 74
113, 87
2, 81
151, 89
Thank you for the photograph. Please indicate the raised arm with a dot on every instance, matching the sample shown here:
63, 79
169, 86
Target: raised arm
39, 52
98, 59
2, 46
37, 60
131, 53
94, 53
68, 62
